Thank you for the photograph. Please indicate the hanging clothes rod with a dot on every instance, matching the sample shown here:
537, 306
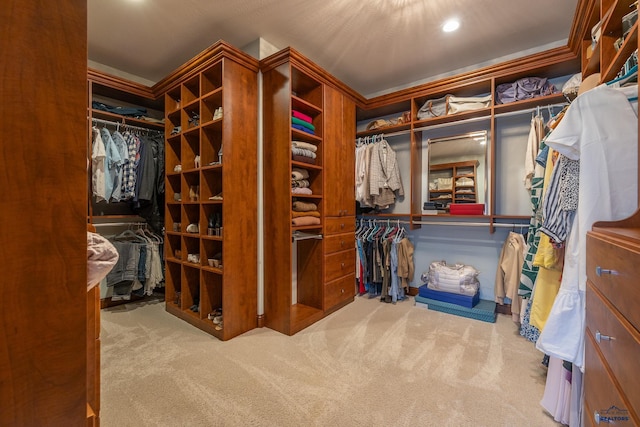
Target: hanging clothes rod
299, 235
119, 224
126, 125
531, 110
446, 223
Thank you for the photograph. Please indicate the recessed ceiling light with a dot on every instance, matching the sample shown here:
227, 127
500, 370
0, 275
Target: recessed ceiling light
451, 25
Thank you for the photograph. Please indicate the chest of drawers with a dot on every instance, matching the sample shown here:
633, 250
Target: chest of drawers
612, 341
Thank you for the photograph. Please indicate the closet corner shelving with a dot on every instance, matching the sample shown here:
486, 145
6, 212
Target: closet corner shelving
551, 64
602, 57
298, 291
211, 191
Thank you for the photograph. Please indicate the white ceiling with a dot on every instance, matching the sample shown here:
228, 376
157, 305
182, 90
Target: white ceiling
371, 45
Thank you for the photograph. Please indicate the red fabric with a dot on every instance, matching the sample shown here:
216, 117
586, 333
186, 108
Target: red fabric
304, 117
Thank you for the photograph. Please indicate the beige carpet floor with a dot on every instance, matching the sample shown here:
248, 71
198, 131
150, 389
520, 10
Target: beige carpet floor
369, 364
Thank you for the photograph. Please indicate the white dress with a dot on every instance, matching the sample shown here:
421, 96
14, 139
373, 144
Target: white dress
599, 129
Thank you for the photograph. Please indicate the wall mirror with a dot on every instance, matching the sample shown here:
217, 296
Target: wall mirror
457, 170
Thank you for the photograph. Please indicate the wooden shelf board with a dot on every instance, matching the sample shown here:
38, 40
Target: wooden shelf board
304, 165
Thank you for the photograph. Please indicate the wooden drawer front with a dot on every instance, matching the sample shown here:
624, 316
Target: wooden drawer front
600, 392
339, 290
621, 287
339, 242
335, 225
622, 353
339, 264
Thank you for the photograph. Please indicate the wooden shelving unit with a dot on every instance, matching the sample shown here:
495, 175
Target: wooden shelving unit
301, 283
211, 193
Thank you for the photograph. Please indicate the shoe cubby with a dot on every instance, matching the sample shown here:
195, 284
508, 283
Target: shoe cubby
211, 294
218, 84
191, 187
173, 187
190, 215
190, 247
211, 220
190, 118
190, 289
174, 127
211, 79
172, 100
173, 218
211, 104
211, 137
173, 154
211, 185
190, 91
212, 250
173, 282
174, 247
190, 149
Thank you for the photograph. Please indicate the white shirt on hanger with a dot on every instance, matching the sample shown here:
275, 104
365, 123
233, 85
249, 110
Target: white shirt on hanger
600, 130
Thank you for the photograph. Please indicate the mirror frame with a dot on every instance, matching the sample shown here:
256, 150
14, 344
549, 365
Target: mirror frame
482, 138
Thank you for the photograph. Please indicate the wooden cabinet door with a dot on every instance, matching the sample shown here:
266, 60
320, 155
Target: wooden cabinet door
339, 154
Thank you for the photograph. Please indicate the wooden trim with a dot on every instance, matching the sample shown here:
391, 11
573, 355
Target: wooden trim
203, 60
581, 25
562, 60
303, 63
120, 83
260, 320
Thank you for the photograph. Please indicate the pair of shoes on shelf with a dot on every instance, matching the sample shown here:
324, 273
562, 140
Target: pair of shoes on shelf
216, 197
217, 114
177, 168
215, 313
177, 197
196, 161
176, 130
193, 228
194, 308
194, 191
194, 258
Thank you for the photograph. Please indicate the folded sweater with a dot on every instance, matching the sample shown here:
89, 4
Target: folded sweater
306, 220
303, 152
300, 206
299, 173
305, 145
303, 159
301, 116
296, 214
297, 121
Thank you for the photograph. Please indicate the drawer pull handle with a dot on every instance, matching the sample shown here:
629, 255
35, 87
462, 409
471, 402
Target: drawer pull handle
342, 291
600, 337
596, 417
342, 265
342, 243
600, 271
342, 225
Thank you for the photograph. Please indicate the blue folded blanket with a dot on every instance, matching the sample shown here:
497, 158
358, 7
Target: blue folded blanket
303, 129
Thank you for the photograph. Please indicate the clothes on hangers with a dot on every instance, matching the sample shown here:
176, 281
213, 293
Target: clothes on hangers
139, 268
600, 131
128, 166
378, 180
384, 261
